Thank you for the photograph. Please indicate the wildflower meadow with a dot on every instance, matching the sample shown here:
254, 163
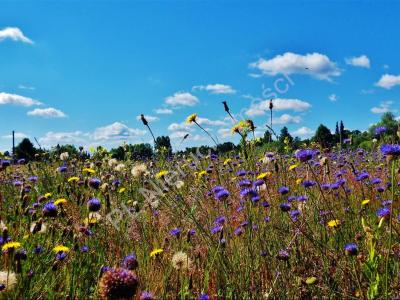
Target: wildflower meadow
256, 222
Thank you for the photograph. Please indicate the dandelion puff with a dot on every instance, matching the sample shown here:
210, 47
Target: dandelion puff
8, 280
64, 156
112, 162
180, 261
139, 170
120, 168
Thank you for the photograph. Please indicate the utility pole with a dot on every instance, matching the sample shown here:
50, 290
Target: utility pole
13, 145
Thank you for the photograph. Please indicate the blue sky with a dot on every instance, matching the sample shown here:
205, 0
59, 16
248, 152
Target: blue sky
81, 72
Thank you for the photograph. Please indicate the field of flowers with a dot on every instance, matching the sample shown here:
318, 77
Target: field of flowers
305, 224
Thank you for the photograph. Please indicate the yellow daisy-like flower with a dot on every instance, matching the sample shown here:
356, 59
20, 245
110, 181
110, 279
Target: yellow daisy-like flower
202, 173
121, 190
239, 126
192, 118
161, 174
365, 202
60, 248
47, 195
156, 252
60, 201
73, 179
334, 223
88, 170
292, 167
11, 246
264, 175
227, 161
300, 180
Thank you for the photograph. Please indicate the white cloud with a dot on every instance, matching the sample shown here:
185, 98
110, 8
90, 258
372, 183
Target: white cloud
205, 121
286, 119
148, 118
178, 135
14, 34
116, 131
182, 98
53, 138
17, 135
383, 108
163, 111
333, 97
313, 64
303, 132
388, 81
217, 88
180, 127
26, 87
359, 61
224, 132
49, 113
259, 109
6, 98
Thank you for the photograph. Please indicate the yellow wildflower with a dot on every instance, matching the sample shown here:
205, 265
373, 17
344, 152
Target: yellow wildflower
60, 201
121, 190
88, 170
60, 248
11, 246
156, 252
202, 173
161, 174
73, 179
47, 195
300, 180
365, 202
192, 118
334, 223
263, 175
292, 167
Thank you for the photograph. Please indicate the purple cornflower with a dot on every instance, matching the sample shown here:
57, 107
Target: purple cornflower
130, 262
305, 154
204, 297
84, 249
145, 295
223, 194
363, 175
390, 149
61, 255
244, 183
94, 204
380, 130
220, 220
62, 169
285, 207
283, 255
259, 182
241, 173
248, 193
351, 249
216, 229
175, 232
283, 190
50, 210
383, 212
308, 183
216, 189
238, 231
94, 183
376, 181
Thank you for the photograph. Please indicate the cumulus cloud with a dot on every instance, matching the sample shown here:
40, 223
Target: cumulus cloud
52, 138
358, 61
48, 113
182, 99
148, 118
208, 122
259, 108
388, 81
217, 88
14, 99
15, 34
333, 97
17, 135
116, 131
163, 111
303, 132
313, 64
286, 119
382, 108
224, 132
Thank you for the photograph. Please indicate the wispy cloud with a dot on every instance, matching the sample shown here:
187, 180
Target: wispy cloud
259, 108
333, 97
182, 99
148, 118
358, 61
313, 64
15, 34
163, 111
26, 87
388, 81
383, 107
48, 113
14, 99
303, 132
287, 119
217, 88
17, 135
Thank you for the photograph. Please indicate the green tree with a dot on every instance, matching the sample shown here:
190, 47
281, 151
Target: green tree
163, 144
25, 149
323, 136
388, 120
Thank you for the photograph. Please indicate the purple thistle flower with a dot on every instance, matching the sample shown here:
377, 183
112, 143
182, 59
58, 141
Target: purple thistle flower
130, 262
305, 155
50, 210
390, 149
285, 207
351, 249
283, 190
94, 204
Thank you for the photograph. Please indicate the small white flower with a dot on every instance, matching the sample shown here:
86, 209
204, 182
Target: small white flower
64, 156
180, 261
179, 184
